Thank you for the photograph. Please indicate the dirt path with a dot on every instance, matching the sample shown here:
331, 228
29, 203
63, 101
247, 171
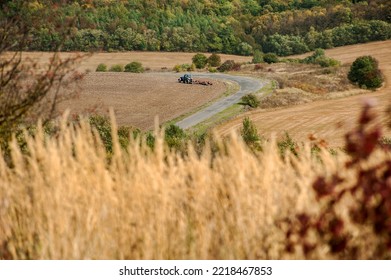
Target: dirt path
328, 119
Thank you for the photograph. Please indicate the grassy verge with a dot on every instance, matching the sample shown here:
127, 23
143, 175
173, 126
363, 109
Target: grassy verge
232, 88
229, 113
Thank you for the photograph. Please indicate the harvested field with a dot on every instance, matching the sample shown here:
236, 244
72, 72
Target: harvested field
328, 119
138, 98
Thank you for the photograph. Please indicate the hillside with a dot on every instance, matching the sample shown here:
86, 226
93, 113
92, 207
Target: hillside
235, 27
328, 119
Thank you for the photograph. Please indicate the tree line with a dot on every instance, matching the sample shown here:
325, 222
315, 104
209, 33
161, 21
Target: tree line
234, 27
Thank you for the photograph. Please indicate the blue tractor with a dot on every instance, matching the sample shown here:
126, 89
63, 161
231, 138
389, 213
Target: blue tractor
186, 79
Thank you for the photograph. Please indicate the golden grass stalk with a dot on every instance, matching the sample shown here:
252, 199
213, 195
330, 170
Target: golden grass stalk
63, 200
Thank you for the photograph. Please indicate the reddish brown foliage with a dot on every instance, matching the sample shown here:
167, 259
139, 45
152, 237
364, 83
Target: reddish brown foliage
371, 195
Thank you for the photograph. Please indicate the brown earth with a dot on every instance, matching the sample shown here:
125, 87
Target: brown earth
328, 119
138, 98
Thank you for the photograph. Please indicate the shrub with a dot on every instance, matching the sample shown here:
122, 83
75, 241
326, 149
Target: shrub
177, 68
228, 65
214, 60
212, 70
117, 68
319, 57
258, 57
367, 201
250, 100
327, 62
312, 58
200, 60
101, 68
184, 67
270, 58
174, 136
365, 72
258, 67
236, 67
250, 134
102, 125
134, 67
287, 145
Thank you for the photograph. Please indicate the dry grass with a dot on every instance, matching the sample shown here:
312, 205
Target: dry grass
64, 201
328, 119
303, 83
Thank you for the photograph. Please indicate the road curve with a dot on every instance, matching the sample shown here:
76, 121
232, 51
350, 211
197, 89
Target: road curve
247, 85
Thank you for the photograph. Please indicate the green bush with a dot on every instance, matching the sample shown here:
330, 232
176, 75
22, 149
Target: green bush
257, 57
250, 134
177, 68
287, 145
327, 62
103, 127
318, 53
134, 67
174, 136
117, 68
214, 60
184, 67
270, 58
365, 72
250, 100
101, 68
228, 65
200, 60
319, 57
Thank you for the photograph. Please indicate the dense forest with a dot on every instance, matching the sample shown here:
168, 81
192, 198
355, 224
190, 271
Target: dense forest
284, 27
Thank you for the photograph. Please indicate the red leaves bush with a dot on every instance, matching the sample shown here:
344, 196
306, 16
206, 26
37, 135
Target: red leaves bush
370, 206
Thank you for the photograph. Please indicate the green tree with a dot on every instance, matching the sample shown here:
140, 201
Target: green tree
200, 60
365, 72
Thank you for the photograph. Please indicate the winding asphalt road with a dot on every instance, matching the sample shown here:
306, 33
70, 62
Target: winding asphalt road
247, 85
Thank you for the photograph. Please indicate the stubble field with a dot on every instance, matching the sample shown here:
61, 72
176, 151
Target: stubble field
328, 119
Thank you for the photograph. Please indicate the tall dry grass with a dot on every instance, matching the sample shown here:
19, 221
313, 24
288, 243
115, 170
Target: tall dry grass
63, 200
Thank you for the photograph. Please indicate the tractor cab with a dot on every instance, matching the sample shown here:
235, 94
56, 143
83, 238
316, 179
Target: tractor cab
186, 79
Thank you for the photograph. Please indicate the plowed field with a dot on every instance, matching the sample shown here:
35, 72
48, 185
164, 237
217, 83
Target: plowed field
330, 119
138, 98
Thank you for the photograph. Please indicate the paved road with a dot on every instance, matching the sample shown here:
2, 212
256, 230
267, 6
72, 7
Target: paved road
247, 85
